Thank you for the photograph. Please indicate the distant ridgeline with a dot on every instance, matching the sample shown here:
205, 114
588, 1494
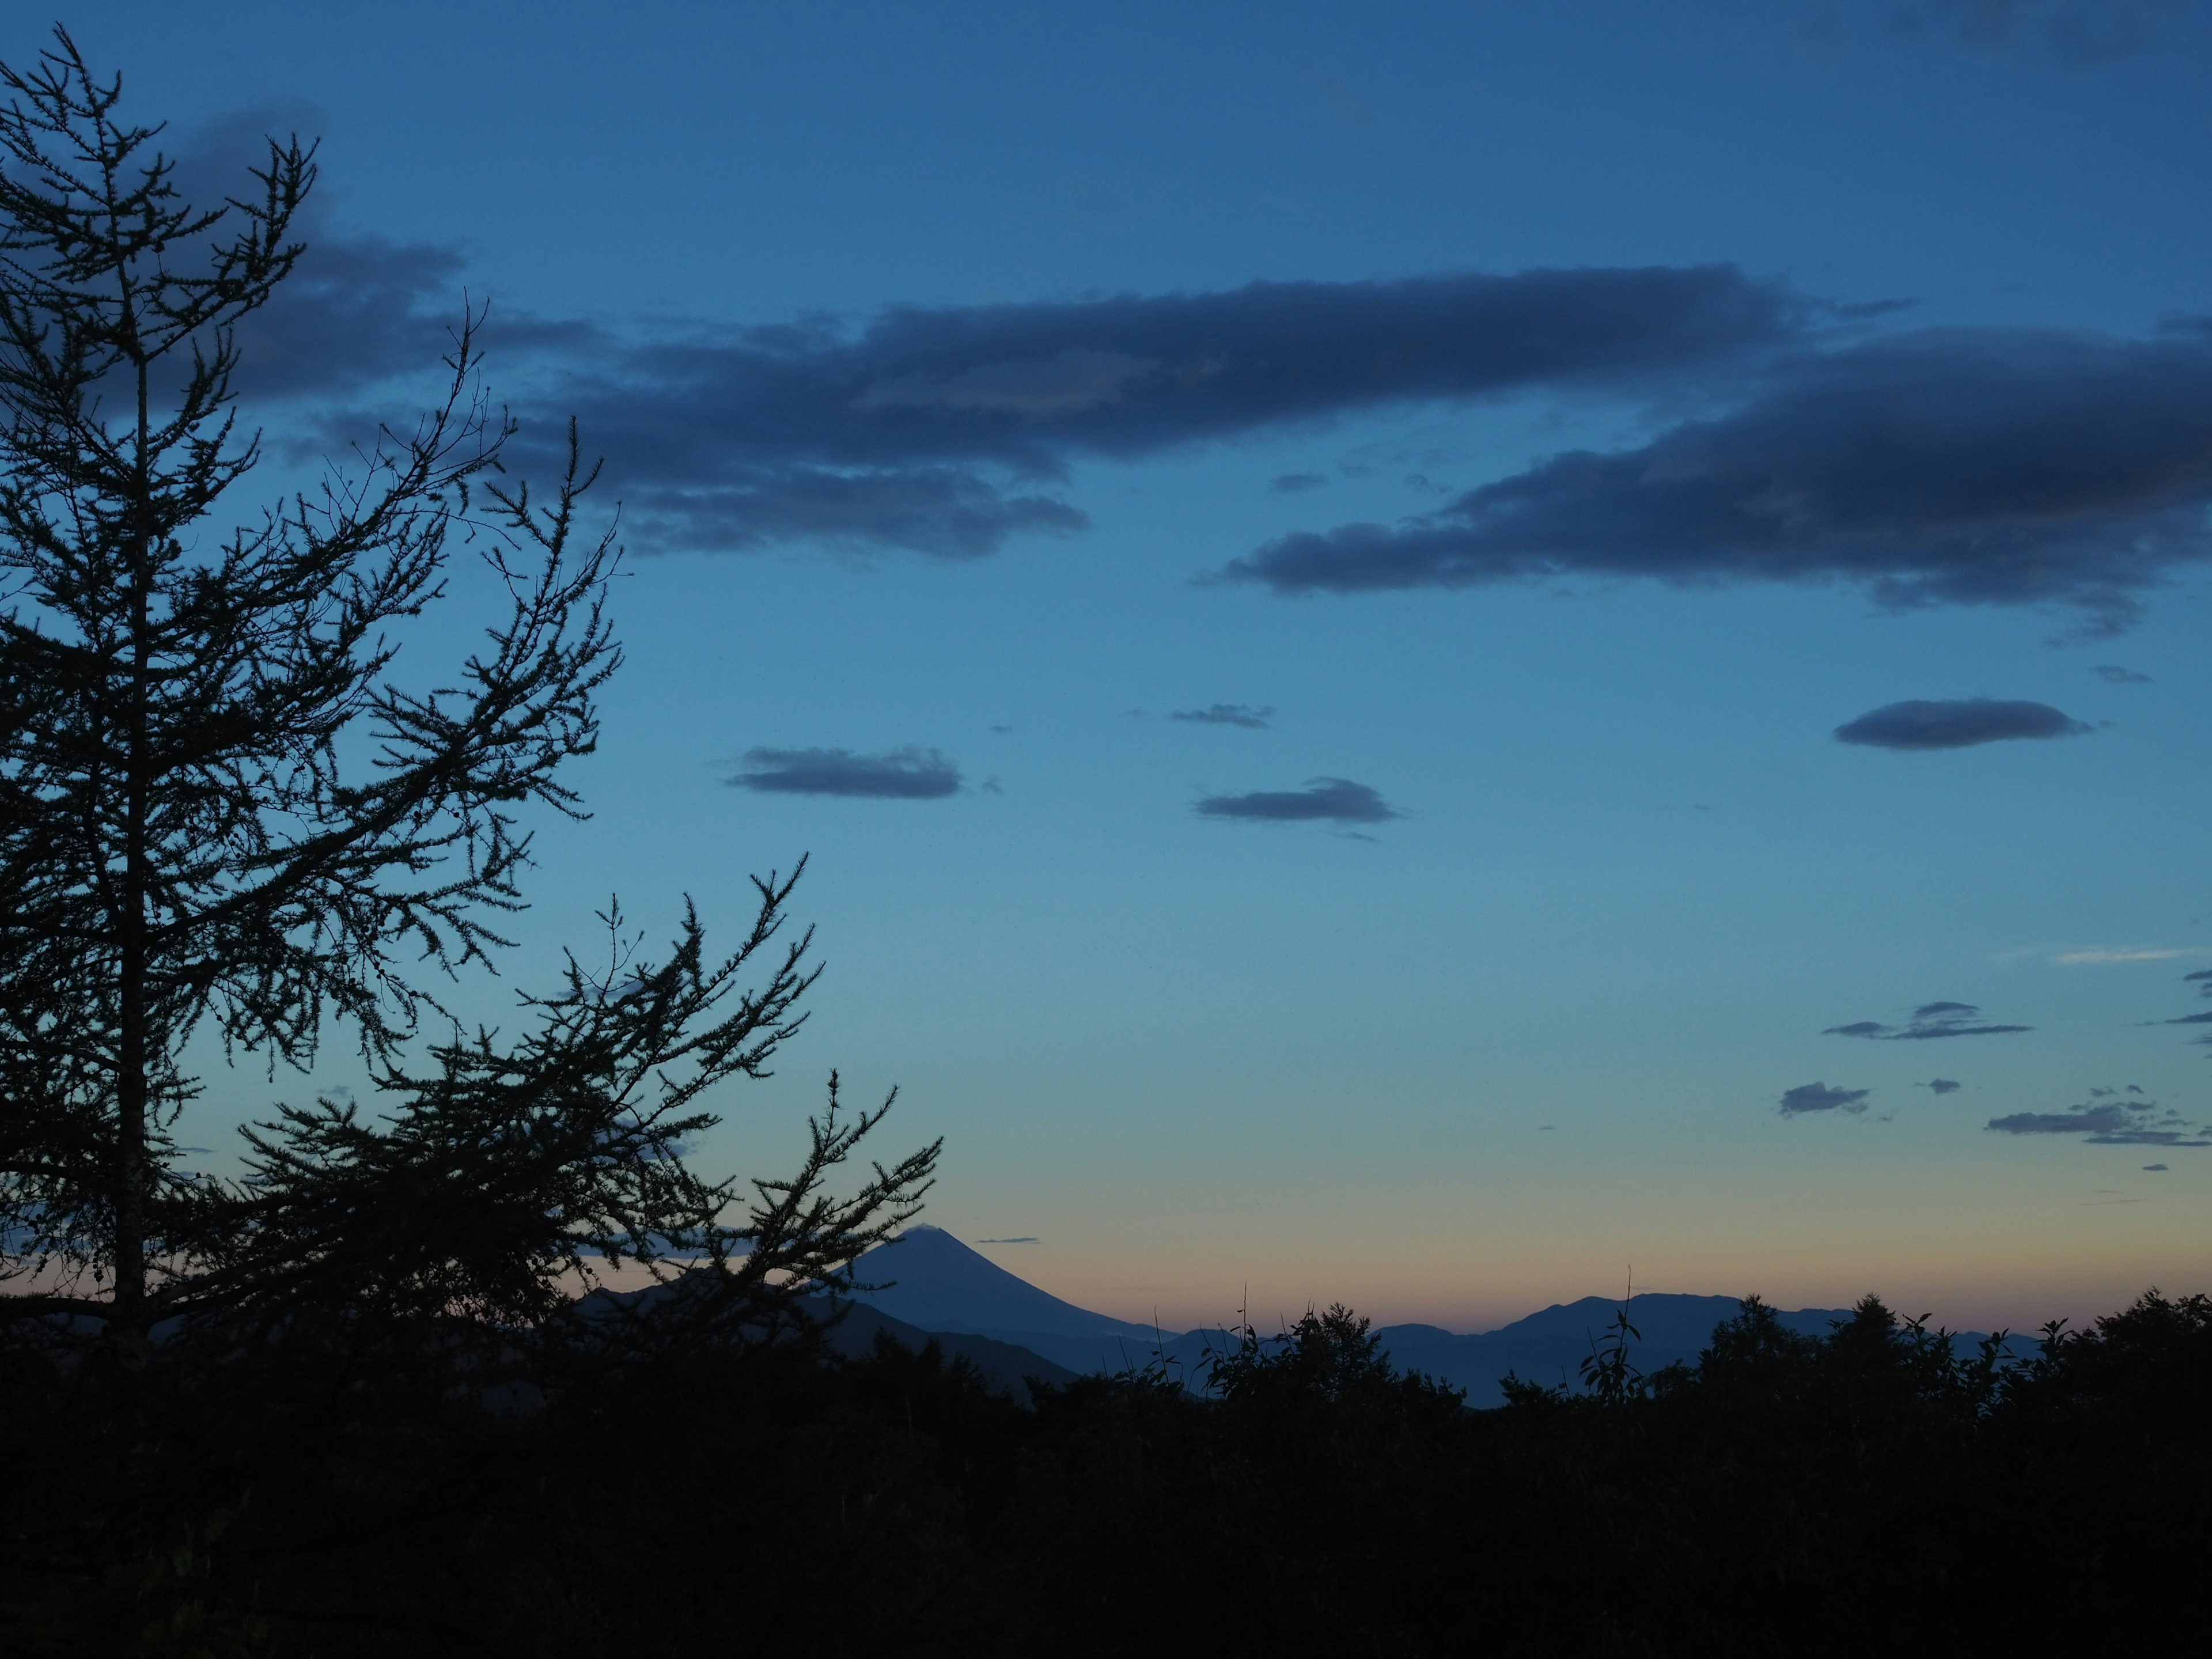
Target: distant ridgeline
935, 1284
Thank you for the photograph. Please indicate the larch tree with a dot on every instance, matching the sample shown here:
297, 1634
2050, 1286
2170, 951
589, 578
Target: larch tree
219, 812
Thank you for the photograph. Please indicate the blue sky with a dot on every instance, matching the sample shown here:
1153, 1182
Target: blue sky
1559, 421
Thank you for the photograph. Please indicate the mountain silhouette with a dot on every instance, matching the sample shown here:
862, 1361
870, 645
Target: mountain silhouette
1548, 1347
931, 1280
942, 1285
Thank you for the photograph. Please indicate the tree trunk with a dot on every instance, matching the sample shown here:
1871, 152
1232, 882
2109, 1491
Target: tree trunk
131, 1090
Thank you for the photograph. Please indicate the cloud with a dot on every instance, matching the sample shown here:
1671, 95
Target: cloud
357, 308
1942, 1085
2201, 975
2107, 1120
1820, 1097
1026, 1239
1957, 724
2154, 1166
2113, 674
934, 429
1949, 467
708, 433
2091, 958
2075, 35
1335, 800
1226, 713
904, 773
1293, 483
1929, 1019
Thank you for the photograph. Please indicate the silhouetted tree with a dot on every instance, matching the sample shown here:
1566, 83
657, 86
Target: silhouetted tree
218, 809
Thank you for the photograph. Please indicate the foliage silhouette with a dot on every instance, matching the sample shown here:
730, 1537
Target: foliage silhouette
218, 807
356, 1410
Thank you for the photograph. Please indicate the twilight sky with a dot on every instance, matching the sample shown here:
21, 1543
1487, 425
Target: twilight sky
1425, 651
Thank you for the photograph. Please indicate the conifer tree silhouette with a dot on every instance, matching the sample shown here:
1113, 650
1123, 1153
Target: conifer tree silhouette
220, 809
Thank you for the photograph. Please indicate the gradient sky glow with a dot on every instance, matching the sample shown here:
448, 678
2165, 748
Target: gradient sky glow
1633, 397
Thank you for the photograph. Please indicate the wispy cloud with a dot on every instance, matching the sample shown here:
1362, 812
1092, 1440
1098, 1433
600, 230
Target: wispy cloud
1027, 1238
1226, 713
1959, 723
909, 773
1334, 800
1929, 1019
2113, 674
2097, 959
1820, 1097
1942, 1085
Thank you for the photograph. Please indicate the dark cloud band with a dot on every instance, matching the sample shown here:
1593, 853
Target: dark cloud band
929, 428
904, 773
1957, 724
1929, 1019
1953, 467
1334, 800
1225, 713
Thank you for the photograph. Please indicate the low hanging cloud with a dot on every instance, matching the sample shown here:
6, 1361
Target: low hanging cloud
1942, 467
1820, 1097
1959, 723
1929, 1020
909, 773
2110, 1118
1332, 800
1226, 713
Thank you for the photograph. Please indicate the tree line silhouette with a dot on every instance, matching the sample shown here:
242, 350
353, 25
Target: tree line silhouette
351, 1401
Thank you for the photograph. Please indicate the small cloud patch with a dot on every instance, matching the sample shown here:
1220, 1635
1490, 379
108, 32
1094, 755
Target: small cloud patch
1027, 1238
1820, 1097
1929, 1019
2108, 1118
2099, 958
909, 773
2113, 674
1960, 723
1294, 484
1332, 800
1226, 713
1942, 1085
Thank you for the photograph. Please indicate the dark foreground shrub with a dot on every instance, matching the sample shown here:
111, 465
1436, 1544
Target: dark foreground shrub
406, 1492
